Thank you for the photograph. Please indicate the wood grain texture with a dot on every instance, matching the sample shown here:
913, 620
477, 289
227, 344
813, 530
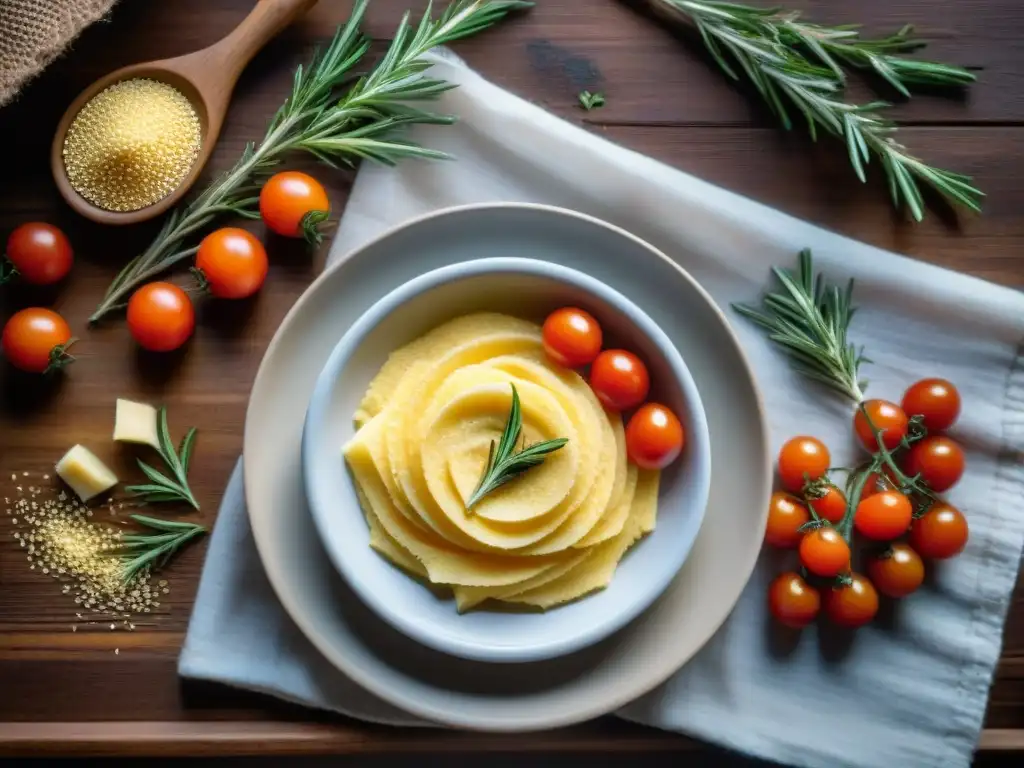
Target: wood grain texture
64, 692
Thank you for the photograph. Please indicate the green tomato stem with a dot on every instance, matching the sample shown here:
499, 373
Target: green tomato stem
853, 500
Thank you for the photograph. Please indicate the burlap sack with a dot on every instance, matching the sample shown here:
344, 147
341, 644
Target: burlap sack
34, 32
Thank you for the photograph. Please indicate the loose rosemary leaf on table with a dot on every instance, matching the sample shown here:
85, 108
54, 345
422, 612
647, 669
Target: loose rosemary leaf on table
322, 118
810, 320
163, 488
798, 65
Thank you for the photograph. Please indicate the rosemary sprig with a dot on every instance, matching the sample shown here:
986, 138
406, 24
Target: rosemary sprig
141, 551
809, 319
503, 462
799, 64
362, 123
161, 487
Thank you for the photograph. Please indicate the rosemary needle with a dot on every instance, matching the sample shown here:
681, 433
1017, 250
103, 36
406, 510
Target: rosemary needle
590, 100
810, 319
321, 118
161, 487
503, 462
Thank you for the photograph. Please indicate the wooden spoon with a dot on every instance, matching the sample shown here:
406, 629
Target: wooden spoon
206, 78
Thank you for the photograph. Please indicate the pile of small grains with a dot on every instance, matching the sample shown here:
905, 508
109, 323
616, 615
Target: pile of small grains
59, 539
132, 144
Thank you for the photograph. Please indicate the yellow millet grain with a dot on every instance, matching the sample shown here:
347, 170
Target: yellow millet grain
58, 539
132, 144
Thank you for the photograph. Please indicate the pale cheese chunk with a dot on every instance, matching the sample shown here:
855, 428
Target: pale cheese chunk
135, 423
86, 475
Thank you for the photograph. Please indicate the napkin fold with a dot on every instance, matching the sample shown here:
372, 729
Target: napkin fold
908, 690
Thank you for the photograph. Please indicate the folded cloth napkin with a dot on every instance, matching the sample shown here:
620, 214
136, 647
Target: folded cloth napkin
909, 690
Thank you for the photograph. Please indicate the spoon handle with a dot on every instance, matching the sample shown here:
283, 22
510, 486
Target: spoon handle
231, 54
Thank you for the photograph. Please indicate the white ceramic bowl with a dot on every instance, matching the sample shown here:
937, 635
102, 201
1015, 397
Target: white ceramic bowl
527, 288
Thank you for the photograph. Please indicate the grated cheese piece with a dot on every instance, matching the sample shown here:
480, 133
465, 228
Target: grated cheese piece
84, 473
135, 423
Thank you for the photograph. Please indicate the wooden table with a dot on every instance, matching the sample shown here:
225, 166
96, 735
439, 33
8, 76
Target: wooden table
64, 692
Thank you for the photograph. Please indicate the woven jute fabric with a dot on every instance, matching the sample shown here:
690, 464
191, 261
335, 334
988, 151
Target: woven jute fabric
34, 32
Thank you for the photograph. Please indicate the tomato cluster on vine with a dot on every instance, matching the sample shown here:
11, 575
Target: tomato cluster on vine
890, 500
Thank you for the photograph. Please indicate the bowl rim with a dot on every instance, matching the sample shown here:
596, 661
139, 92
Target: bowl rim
607, 623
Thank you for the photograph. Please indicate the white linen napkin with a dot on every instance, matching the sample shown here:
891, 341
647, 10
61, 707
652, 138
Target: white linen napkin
909, 690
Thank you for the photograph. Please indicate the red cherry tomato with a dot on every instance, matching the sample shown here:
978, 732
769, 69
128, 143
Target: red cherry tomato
852, 605
287, 198
896, 572
785, 516
160, 317
824, 552
886, 417
883, 516
938, 459
801, 459
792, 601
572, 337
36, 340
654, 437
40, 252
939, 533
937, 400
831, 506
619, 379
233, 263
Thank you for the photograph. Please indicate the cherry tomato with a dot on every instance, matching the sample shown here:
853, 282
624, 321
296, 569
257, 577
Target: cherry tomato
793, 601
233, 263
883, 516
825, 552
36, 340
785, 516
572, 337
287, 198
619, 379
831, 506
887, 417
939, 533
854, 604
938, 459
160, 317
896, 572
40, 252
801, 459
937, 400
654, 437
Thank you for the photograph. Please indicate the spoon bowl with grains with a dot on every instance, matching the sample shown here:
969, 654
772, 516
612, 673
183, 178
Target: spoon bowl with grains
133, 142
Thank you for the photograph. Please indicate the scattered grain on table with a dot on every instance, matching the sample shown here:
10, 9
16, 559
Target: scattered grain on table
59, 540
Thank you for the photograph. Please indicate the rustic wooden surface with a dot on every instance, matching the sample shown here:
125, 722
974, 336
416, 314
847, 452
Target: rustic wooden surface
663, 99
